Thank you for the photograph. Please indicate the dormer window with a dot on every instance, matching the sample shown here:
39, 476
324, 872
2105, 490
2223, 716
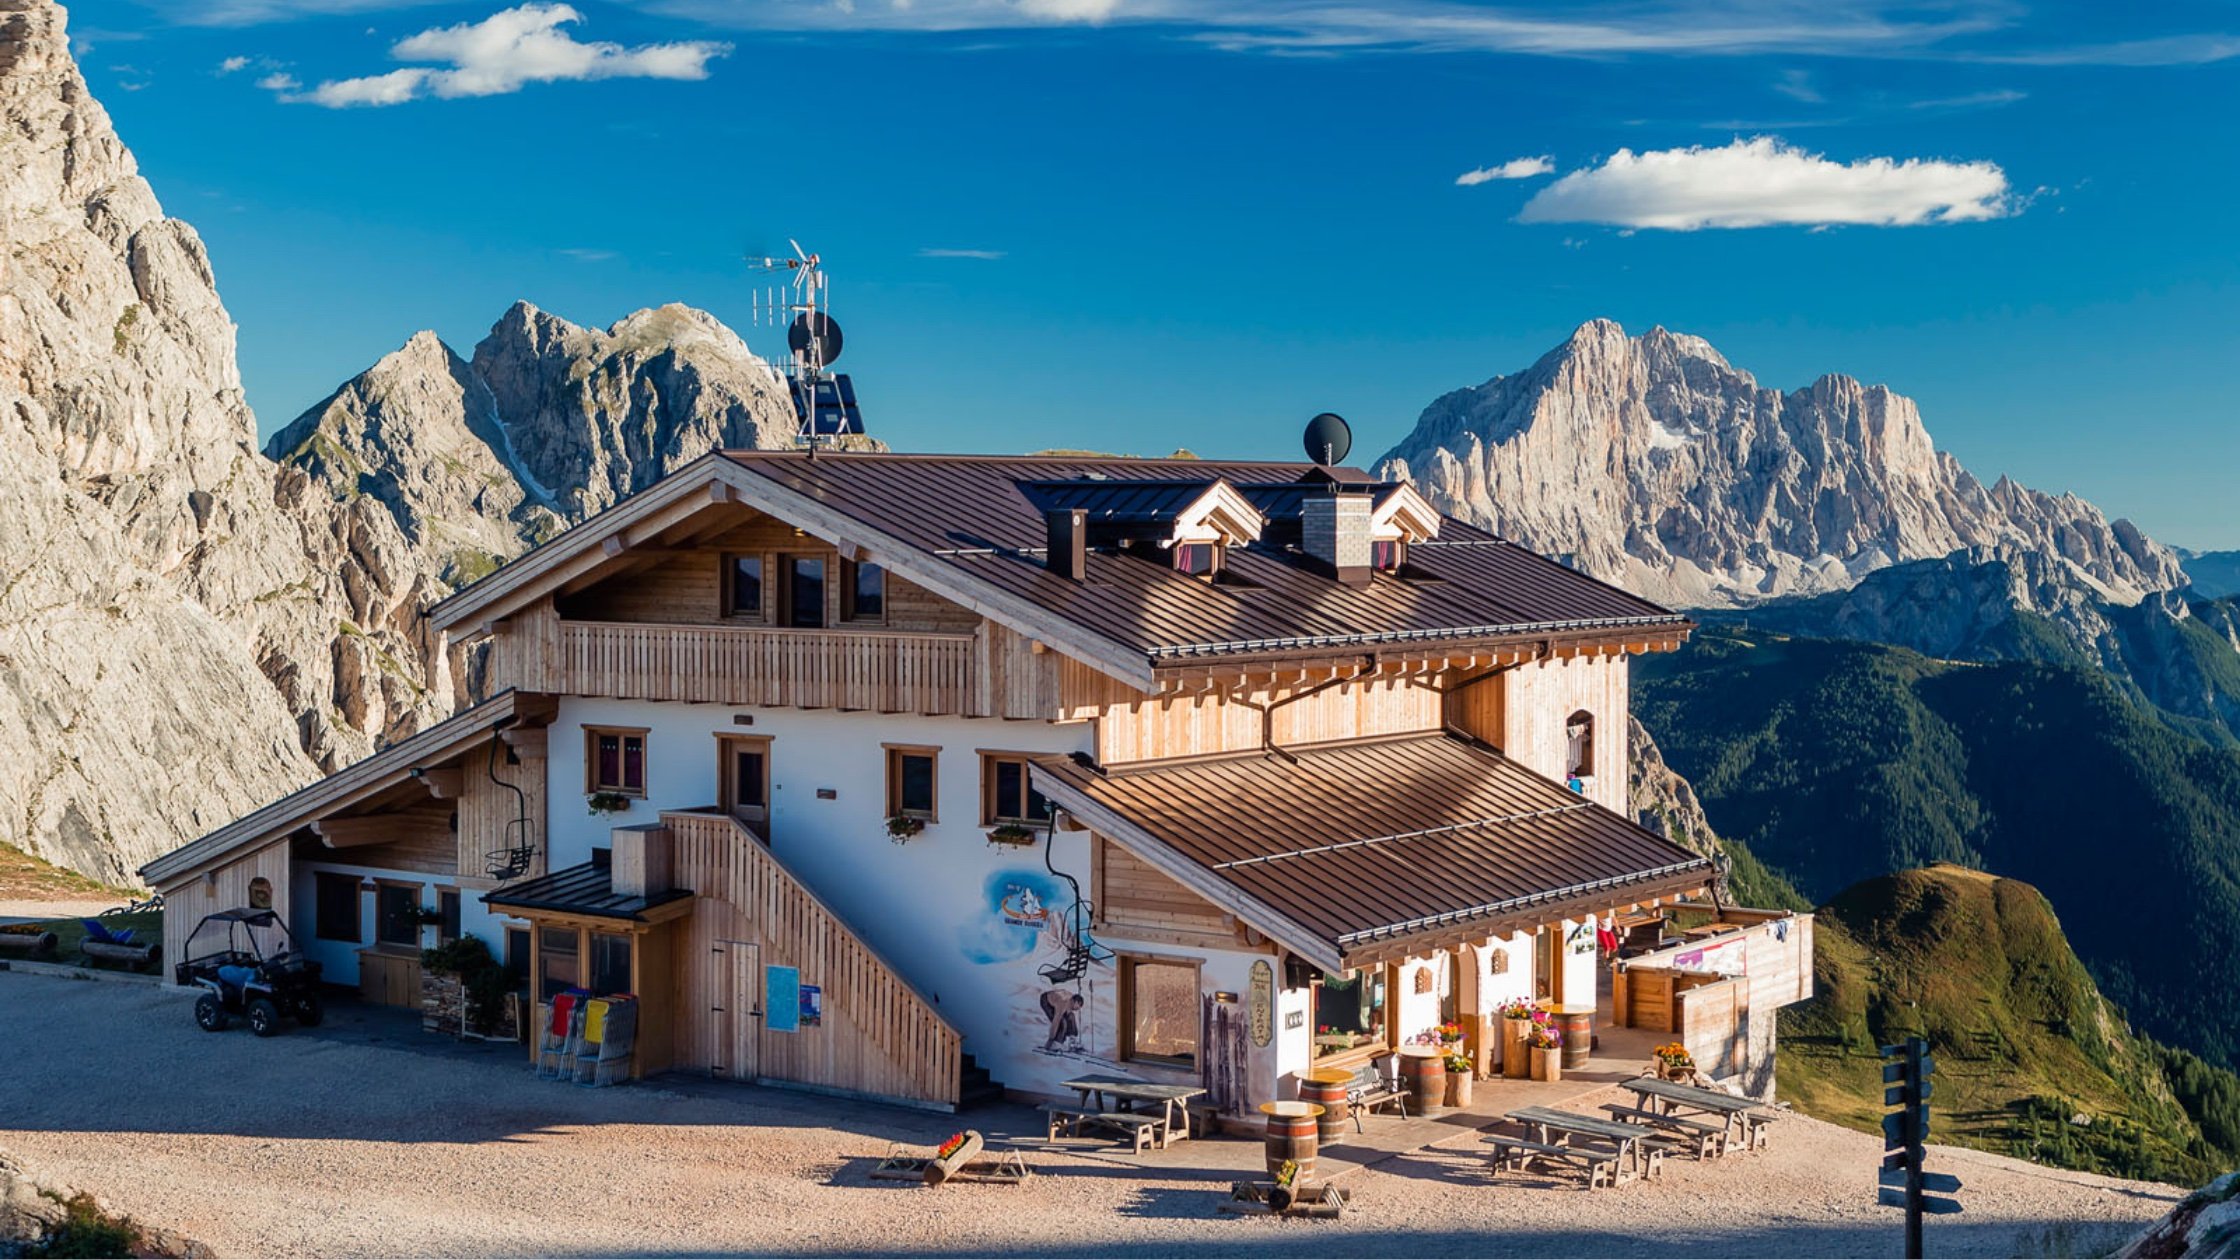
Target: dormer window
1386, 555
1198, 559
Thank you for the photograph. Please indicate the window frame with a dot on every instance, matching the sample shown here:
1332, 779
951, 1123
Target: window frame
1184, 549
449, 915
894, 754
591, 737
730, 562
542, 977
1383, 549
319, 929
1125, 966
410, 889
1380, 1040
851, 572
588, 963
991, 813
788, 607
1584, 766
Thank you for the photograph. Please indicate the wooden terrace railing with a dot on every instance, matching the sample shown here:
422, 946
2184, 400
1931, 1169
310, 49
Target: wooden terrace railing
882, 671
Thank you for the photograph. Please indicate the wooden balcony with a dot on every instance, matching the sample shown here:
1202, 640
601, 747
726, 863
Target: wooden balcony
882, 671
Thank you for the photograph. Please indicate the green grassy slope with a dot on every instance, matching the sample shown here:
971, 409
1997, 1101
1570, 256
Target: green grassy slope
2031, 1060
1835, 762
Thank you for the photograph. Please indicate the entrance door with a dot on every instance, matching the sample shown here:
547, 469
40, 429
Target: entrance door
737, 1011
744, 776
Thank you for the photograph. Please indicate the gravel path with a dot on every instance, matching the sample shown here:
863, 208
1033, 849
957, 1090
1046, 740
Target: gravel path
360, 1141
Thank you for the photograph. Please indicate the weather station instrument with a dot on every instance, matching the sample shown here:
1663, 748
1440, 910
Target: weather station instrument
824, 401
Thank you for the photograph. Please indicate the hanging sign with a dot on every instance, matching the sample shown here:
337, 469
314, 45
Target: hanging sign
1262, 1008
781, 999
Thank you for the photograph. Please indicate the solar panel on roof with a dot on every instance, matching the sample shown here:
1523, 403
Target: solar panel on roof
827, 408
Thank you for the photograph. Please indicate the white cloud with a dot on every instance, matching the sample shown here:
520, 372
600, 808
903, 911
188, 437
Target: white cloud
504, 53
279, 81
1514, 168
984, 255
231, 64
1762, 182
1797, 86
1973, 100
590, 255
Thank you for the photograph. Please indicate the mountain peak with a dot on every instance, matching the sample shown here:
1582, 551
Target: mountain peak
1654, 463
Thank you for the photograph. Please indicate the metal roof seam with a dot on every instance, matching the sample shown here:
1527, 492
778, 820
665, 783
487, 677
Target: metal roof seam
1519, 903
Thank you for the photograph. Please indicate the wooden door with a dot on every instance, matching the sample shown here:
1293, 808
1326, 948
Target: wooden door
744, 778
737, 1011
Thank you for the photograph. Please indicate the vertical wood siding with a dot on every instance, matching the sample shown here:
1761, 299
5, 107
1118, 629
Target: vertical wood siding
879, 1037
186, 902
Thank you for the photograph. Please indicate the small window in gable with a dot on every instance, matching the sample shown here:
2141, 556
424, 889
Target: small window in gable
1578, 729
1387, 555
1198, 559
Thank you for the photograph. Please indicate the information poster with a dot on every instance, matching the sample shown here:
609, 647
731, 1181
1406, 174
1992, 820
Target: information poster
812, 1006
781, 999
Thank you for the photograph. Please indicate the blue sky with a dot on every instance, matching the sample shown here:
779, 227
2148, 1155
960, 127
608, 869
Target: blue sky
1205, 223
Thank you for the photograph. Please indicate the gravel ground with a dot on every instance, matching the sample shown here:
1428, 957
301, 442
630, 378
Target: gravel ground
358, 1140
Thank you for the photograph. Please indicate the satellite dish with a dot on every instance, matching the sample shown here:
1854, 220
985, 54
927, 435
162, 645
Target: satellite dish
814, 331
1329, 438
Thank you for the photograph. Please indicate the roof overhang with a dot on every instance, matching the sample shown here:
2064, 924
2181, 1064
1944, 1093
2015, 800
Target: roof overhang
349, 786
1405, 514
716, 479
1162, 857
1222, 510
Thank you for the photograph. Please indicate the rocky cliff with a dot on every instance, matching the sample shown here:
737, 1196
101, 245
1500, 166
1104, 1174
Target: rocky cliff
1651, 462
189, 628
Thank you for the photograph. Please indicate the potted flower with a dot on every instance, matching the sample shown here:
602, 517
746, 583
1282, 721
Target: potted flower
1673, 1062
1516, 1026
902, 827
1546, 1043
1013, 834
1459, 1075
607, 802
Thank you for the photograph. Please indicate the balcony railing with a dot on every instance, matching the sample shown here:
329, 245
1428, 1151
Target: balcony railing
810, 669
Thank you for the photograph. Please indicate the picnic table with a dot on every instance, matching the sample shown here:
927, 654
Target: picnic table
1114, 1102
1547, 1124
1674, 1098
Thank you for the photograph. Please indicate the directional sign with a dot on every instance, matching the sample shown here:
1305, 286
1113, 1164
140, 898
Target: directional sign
1930, 1204
1907, 1127
1934, 1183
1900, 1094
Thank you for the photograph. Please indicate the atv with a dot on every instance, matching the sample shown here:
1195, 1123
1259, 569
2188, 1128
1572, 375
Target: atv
239, 978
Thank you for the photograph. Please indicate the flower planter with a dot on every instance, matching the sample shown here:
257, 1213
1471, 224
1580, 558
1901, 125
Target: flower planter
1547, 1063
1515, 1064
1458, 1089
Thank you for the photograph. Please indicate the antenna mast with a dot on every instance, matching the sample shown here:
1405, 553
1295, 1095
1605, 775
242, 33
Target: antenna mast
824, 403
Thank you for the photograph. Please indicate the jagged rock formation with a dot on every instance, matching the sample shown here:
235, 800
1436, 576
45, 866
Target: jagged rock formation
1661, 799
1651, 462
188, 628
2008, 603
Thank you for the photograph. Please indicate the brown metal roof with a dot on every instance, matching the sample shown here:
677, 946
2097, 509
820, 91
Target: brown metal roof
1374, 846
981, 515
585, 890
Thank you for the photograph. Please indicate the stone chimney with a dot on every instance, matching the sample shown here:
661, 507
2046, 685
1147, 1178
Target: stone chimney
1068, 530
1334, 528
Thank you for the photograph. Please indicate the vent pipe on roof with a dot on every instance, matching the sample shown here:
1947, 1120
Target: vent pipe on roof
1334, 529
1068, 542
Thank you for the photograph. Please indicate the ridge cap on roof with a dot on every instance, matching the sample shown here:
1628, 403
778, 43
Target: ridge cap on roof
1153, 765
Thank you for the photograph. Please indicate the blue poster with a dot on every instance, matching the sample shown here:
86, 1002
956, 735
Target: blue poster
781, 999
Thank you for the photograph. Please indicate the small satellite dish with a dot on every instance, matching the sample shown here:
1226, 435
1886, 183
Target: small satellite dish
815, 336
1329, 438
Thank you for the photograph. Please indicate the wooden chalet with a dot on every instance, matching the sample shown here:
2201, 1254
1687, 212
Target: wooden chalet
913, 776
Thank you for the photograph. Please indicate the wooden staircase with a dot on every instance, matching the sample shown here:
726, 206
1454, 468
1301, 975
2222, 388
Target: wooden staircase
975, 1088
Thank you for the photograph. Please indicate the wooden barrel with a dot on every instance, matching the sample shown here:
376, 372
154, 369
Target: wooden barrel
1578, 1034
1326, 1088
1291, 1136
1423, 1073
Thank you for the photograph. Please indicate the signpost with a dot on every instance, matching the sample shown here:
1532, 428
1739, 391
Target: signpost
1905, 1131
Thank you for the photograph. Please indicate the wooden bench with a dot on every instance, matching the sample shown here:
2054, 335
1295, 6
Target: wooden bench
1600, 1163
1141, 1129
1754, 1127
1370, 1089
1706, 1139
